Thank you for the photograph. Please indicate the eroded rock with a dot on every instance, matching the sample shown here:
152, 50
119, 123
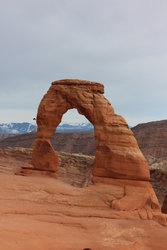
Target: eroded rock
118, 160
117, 152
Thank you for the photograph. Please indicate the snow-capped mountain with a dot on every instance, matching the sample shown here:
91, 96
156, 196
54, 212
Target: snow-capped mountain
25, 127
74, 127
17, 128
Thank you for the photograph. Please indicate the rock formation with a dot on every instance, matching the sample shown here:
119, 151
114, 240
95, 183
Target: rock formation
117, 153
118, 160
152, 137
76, 169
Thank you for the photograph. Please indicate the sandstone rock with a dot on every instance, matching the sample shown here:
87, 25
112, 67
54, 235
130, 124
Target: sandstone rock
83, 143
46, 158
118, 160
41, 213
152, 137
117, 152
121, 198
74, 169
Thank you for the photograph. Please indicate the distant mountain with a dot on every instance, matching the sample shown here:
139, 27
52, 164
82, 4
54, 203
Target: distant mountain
25, 127
66, 128
17, 128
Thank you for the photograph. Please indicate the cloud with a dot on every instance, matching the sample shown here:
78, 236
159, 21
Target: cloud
119, 43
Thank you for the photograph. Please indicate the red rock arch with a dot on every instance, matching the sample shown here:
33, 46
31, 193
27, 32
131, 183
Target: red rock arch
117, 152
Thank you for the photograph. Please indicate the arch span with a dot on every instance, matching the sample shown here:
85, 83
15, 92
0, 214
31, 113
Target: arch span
117, 152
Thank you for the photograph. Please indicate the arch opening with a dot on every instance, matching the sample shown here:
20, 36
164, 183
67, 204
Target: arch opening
75, 145
117, 153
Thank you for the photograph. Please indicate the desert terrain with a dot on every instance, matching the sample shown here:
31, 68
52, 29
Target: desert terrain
85, 144
42, 212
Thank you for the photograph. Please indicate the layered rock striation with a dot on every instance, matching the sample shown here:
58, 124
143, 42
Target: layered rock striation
152, 137
117, 152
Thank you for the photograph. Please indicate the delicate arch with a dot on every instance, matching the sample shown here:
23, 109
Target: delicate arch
117, 152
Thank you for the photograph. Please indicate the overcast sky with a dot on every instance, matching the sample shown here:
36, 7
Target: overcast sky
120, 43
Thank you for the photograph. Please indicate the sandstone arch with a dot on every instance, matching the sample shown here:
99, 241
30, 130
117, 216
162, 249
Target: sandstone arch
117, 152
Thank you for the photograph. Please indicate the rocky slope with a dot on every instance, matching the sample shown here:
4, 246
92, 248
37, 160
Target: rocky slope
67, 142
159, 183
152, 140
74, 169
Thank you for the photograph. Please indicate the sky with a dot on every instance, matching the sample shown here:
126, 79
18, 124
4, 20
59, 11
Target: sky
120, 43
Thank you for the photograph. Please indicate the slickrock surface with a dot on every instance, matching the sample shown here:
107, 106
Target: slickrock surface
39, 212
117, 152
76, 169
